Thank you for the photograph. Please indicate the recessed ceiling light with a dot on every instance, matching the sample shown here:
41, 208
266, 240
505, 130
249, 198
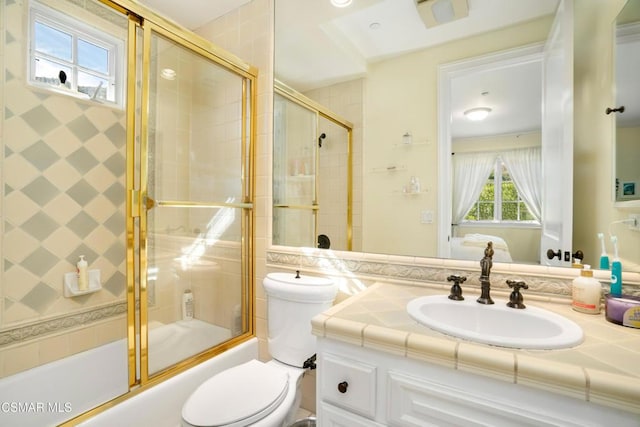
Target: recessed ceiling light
477, 114
168, 73
341, 3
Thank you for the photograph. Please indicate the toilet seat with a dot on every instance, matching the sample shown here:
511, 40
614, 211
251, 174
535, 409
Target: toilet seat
223, 400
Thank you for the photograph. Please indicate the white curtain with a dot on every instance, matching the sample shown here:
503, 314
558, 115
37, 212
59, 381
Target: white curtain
470, 173
525, 168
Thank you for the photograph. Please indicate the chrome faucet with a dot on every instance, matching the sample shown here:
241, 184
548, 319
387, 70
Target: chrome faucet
485, 285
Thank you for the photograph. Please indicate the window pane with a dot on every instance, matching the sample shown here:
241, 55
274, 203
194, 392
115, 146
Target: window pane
525, 215
88, 84
49, 72
509, 211
509, 192
485, 211
93, 57
53, 42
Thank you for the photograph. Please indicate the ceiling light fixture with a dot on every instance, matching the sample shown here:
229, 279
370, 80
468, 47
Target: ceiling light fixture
341, 3
477, 114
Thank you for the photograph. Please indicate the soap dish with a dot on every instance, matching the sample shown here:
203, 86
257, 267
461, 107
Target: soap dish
622, 310
71, 284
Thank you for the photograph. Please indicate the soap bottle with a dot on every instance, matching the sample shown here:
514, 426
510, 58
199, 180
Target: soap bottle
586, 292
187, 305
83, 274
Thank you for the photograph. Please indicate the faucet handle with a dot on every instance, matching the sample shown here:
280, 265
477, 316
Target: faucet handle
516, 299
456, 290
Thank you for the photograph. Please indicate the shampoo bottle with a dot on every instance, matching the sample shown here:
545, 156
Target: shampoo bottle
187, 305
586, 292
83, 274
616, 270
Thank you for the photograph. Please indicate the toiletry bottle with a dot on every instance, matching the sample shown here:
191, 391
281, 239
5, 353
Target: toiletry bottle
616, 270
187, 305
586, 292
83, 274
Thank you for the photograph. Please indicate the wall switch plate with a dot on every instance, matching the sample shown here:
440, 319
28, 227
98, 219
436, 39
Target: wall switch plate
426, 217
634, 224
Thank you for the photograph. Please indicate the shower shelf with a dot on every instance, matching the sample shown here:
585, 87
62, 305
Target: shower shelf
71, 284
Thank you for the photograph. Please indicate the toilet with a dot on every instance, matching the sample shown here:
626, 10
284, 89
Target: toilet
267, 394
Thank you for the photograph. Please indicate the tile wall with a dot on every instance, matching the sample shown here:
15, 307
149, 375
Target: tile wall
63, 195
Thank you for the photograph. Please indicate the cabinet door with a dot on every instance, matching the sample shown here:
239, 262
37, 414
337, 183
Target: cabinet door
330, 416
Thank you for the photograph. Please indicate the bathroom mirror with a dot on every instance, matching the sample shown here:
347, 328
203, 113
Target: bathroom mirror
373, 27
627, 172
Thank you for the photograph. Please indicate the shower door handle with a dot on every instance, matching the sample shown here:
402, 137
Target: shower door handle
148, 203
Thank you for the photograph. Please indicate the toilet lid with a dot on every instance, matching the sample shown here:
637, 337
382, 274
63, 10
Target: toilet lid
238, 396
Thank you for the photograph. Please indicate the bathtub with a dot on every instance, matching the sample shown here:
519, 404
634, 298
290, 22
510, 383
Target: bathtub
52, 393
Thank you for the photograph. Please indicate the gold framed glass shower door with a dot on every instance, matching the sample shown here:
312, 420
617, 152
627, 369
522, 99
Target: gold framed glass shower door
195, 223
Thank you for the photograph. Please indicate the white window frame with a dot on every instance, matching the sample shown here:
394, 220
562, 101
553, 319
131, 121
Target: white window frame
497, 204
78, 30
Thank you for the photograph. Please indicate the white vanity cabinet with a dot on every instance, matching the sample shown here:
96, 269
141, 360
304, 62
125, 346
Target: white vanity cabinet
358, 386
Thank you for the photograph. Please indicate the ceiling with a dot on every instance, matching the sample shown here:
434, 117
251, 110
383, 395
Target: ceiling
318, 44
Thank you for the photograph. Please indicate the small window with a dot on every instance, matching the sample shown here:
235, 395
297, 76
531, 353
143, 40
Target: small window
499, 200
71, 57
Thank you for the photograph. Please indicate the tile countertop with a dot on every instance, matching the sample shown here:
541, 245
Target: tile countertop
604, 369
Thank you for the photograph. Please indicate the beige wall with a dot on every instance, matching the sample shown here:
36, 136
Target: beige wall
593, 208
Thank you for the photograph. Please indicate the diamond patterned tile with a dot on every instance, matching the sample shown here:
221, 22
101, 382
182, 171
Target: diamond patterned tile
117, 135
19, 100
40, 120
17, 206
100, 147
100, 118
116, 284
62, 175
40, 190
18, 172
82, 128
116, 193
116, 253
40, 226
99, 178
82, 192
116, 164
115, 223
62, 207
63, 141
40, 155
63, 108
61, 242
101, 209
39, 261
82, 224
18, 282
40, 298
82, 160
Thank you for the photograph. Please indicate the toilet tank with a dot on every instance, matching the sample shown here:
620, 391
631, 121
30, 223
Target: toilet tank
292, 301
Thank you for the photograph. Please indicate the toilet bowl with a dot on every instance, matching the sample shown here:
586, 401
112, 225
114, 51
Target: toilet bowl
267, 394
254, 393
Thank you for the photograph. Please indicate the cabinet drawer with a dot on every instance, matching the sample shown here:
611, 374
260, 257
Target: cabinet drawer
349, 384
330, 416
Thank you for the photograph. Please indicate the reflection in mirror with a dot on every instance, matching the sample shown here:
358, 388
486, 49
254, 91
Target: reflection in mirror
378, 65
627, 172
311, 174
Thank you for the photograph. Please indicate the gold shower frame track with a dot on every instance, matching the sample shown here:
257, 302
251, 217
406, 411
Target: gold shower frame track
137, 203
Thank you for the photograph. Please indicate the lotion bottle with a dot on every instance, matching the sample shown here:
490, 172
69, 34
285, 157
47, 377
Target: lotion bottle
586, 292
83, 274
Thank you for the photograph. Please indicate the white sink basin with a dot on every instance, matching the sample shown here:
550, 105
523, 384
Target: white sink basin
496, 324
